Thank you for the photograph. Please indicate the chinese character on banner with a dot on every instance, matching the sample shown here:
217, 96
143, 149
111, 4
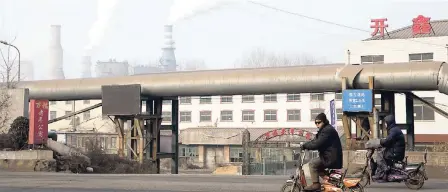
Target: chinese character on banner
38, 133
378, 26
421, 25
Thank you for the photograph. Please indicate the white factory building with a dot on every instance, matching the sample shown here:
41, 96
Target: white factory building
261, 113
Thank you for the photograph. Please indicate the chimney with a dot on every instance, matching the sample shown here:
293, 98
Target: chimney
86, 65
168, 60
55, 60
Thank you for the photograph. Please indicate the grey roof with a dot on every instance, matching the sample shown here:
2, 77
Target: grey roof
439, 28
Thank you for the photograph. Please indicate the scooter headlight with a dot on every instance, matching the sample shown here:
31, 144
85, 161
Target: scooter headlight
291, 177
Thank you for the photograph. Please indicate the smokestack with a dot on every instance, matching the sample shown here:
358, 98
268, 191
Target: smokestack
86, 67
55, 60
168, 60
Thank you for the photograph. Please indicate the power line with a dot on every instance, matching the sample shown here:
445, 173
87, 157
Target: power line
328, 22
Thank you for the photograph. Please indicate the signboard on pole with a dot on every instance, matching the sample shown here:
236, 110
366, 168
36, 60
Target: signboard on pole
38, 122
357, 100
333, 113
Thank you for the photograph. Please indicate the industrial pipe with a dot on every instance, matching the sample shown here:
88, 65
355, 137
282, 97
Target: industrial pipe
415, 76
66, 150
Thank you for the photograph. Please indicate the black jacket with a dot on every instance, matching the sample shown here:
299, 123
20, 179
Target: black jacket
328, 144
394, 143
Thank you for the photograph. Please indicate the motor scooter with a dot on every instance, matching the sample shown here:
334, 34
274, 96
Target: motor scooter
333, 180
413, 174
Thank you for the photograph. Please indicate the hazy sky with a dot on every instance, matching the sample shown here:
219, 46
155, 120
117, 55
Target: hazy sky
219, 37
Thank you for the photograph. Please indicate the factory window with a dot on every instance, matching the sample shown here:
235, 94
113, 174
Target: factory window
339, 114
293, 97
76, 120
68, 102
247, 98
293, 114
421, 57
53, 115
317, 96
236, 154
86, 101
86, 115
338, 96
185, 100
166, 116
205, 116
166, 102
226, 99
52, 102
315, 112
66, 113
113, 142
188, 151
248, 115
226, 115
372, 59
270, 98
270, 115
378, 103
185, 116
205, 100
423, 112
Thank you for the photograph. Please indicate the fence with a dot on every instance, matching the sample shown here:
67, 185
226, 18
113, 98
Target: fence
274, 160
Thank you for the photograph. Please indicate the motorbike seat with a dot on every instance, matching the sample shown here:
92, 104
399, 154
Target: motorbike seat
339, 171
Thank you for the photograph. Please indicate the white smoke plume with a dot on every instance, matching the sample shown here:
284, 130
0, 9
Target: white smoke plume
105, 10
183, 9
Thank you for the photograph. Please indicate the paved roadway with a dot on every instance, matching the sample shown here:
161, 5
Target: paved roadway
60, 182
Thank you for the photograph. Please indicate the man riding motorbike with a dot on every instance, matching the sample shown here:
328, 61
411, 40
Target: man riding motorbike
328, 144
394, 149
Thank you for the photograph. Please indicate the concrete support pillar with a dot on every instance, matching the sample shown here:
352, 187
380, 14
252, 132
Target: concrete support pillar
175, 136
410, 134
246, 152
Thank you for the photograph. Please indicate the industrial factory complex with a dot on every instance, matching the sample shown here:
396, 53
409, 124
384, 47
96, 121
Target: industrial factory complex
216, 107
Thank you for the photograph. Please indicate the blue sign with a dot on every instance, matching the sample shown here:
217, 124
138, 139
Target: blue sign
357, 100
333, 113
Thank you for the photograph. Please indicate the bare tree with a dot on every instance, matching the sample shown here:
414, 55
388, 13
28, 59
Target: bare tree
261, 58
9, 75
192, 65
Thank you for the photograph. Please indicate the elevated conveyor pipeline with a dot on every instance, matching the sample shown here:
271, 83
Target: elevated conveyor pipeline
416, 76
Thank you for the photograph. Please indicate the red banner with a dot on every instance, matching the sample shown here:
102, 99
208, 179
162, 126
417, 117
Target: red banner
38, 122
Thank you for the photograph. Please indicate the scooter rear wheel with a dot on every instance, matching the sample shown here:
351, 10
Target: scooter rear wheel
416, 180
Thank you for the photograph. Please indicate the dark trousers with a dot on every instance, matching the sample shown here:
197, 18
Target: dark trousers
316, 169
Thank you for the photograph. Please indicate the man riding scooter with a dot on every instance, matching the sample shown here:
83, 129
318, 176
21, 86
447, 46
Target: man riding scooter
394, 149
328, 144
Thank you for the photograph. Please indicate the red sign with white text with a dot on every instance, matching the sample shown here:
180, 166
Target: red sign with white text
288, 131
38, 122
421, 25
379, 26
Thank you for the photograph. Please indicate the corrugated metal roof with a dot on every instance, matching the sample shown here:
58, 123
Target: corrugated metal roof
439, 28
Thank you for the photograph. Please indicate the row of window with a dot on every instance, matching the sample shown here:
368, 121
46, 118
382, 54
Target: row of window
421, 112
270, 98
246, 115
414, 57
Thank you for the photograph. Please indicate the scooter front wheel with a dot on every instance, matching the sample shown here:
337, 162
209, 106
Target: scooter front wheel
290, 187
365, 179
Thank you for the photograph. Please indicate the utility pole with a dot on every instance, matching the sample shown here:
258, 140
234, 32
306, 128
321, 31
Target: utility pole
348, 57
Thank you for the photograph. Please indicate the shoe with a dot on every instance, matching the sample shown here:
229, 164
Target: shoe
313, 187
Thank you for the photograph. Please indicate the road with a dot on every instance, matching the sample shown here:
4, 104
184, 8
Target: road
60, 182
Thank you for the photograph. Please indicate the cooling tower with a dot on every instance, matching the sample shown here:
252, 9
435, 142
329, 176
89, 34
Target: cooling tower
168, 60
55, 60
86, 65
